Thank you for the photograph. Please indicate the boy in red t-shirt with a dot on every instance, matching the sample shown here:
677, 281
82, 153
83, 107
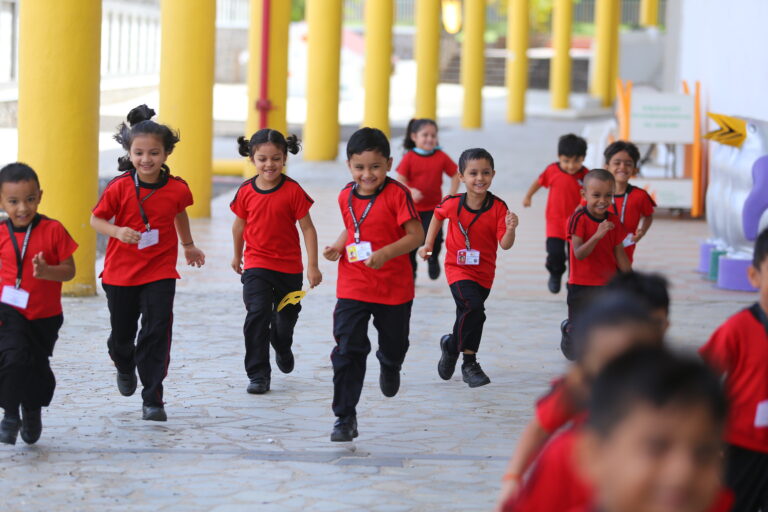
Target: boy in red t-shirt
480, 223
35, 258
596, 250
738, 349
381, 226
564, 179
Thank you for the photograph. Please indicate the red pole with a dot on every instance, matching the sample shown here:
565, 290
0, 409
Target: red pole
263, 105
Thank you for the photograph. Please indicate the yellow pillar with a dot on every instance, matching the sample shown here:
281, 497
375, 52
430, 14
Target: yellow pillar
58, 117
615, 54
427, 57
379, 16
649, 13
518, 26
560, 65
321, 130
186, 92
605, 25
473, 63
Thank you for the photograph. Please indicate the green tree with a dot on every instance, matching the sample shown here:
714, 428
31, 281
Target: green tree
297, 10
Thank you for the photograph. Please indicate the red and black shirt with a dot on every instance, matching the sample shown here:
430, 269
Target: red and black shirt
564, 197
601, 265
425, 173
631, 206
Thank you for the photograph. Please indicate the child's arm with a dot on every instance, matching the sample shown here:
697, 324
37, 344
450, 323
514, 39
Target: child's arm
333, 252
122, 233
64, 271
622, 260
193, 255
535, 186
454, 185
238, 227
414, 237
415, 193
310, 242
645, 225
435, 225
508, 240
583, 249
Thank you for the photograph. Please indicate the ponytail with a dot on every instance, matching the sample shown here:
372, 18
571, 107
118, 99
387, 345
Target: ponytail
290, 144
140, 123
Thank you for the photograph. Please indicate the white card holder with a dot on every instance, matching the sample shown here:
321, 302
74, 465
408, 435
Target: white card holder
628, 241
359, 252
468, 257
149, 238
761, 415
13, 296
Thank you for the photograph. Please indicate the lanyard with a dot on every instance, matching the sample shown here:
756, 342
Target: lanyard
141, 201
465, 231
623, 204
355, 220
19, 253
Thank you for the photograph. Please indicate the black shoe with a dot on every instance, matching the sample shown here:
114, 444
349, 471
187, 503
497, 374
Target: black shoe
389, 381
447, 364
285, 361
474, 375
126, 383
31, 425
555, 282
433, 268
258, 385
153, 413
345, 429
566, 343
9, 429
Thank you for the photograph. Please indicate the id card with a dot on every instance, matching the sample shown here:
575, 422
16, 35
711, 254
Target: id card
761, 416
149, 238
359, 252
15, 297
468, 257
628, 241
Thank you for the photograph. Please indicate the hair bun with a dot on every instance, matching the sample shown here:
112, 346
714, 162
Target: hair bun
292, 144
139, 114
243, 146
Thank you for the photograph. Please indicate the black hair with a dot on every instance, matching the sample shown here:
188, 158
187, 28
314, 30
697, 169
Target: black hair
652, 288
601, 175
140, 123
474, 154
246, 147
618, 147
610, 308
16, 172
368, 139
761, 249
655, 377
571, 145
414, 125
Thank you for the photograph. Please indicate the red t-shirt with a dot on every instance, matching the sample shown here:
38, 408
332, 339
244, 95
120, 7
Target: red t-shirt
600, 266
555, 410
484, 236
739, 349
723, 503
271, 237
125, 264
52, 239
638, 205
425, 173
564, 197
392, 284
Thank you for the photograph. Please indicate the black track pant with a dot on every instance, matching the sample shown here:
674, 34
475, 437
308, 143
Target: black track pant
350, 329
578, 298
26, 377
263, 290
557, 252
470, 300
426, 219
150, 352
746, 474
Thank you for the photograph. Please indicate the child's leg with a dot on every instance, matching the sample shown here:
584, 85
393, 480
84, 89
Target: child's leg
746, 474
153, 345
283, 322
38, 391
259, 297
556, 255
123, 304
393, 325
15, 359
350, 329
470, 315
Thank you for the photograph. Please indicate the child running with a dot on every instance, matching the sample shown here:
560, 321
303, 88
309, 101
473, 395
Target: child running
381, 226
148, 206
564, 179
36, 257
267, 208
479, 223
421, 170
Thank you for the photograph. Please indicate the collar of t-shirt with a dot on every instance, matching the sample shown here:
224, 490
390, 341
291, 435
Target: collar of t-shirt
626, 192
35, 221
760, 315
273, 189
424, 152
586, 210
160, 183
566, 172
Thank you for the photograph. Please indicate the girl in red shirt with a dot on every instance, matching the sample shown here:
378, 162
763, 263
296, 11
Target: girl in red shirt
421, 170
267, 208
148, 207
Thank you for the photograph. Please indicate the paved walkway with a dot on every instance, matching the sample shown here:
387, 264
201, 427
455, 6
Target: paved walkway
436, 446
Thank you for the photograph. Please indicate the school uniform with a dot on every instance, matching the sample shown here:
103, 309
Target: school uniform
385, 294
425, 173
556, 409
140, 283
631, 206
563, 198
272, 267
739, 350
29, 332
600, 266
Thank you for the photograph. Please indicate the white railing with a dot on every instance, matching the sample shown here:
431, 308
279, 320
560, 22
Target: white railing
233, 13
130, 38
9, 25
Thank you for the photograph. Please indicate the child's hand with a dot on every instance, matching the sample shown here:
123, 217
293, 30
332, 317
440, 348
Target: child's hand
425, 252
195, 257
509, 488
511, 221
331, 253
128, 235
638, 235
314, 276
604, 228
376, 260
237, 264
527, 202
416, 195
39, 266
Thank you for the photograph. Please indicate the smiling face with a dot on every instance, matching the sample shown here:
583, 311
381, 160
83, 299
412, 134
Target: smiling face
598, 194
621, 166
369, 170
148, 156
570, 164
477, 176
269, 161
20, 200
426, 138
